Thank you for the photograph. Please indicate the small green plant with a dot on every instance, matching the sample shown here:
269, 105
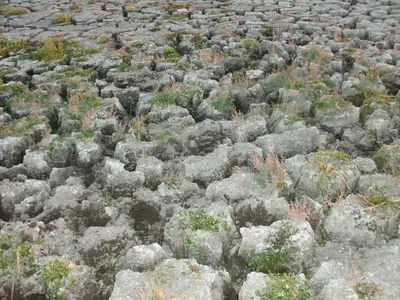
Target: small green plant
252, 48
170, 54
199, 40
61, 19
284, 287
165, 99
192, 221
155, 29
272, 261
126, 63
52, 277
22, 127
13, 11
268, 30
293, 119
224, 104
366, 290
348, 59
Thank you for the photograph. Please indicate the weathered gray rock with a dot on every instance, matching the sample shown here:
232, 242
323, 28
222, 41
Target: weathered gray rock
381, 185
254, 282
99, 241
327, 271
376, 264
246, 130
206, 169
118, 181
64, 202
142, 258
32, 193
336, 122
380, 125
36, 164
180, 279
323, 174
290, 143
392, 82
12, 150
176, 190
337, 289
349, 222
152, 168
88, 154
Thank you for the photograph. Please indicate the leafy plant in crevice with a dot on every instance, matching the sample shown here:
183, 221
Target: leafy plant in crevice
224, 104
348, 59
275, 259
366, 290
284, 287
377, 198
126, 64
52, 278
170, 54
61, 19
192, 221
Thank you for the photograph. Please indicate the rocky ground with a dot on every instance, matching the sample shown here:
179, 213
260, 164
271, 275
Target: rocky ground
200, 150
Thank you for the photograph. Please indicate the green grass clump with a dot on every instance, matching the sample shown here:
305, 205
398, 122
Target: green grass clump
284, 287
61, 19
176, 18
24, 99
22, 127
251, 48
165, 99
76, 71
50, 49
223, 104
52, 277
16, 255
9, 11
329, 103
7, 46
81, 103
170, 54
316, 55
17, 258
